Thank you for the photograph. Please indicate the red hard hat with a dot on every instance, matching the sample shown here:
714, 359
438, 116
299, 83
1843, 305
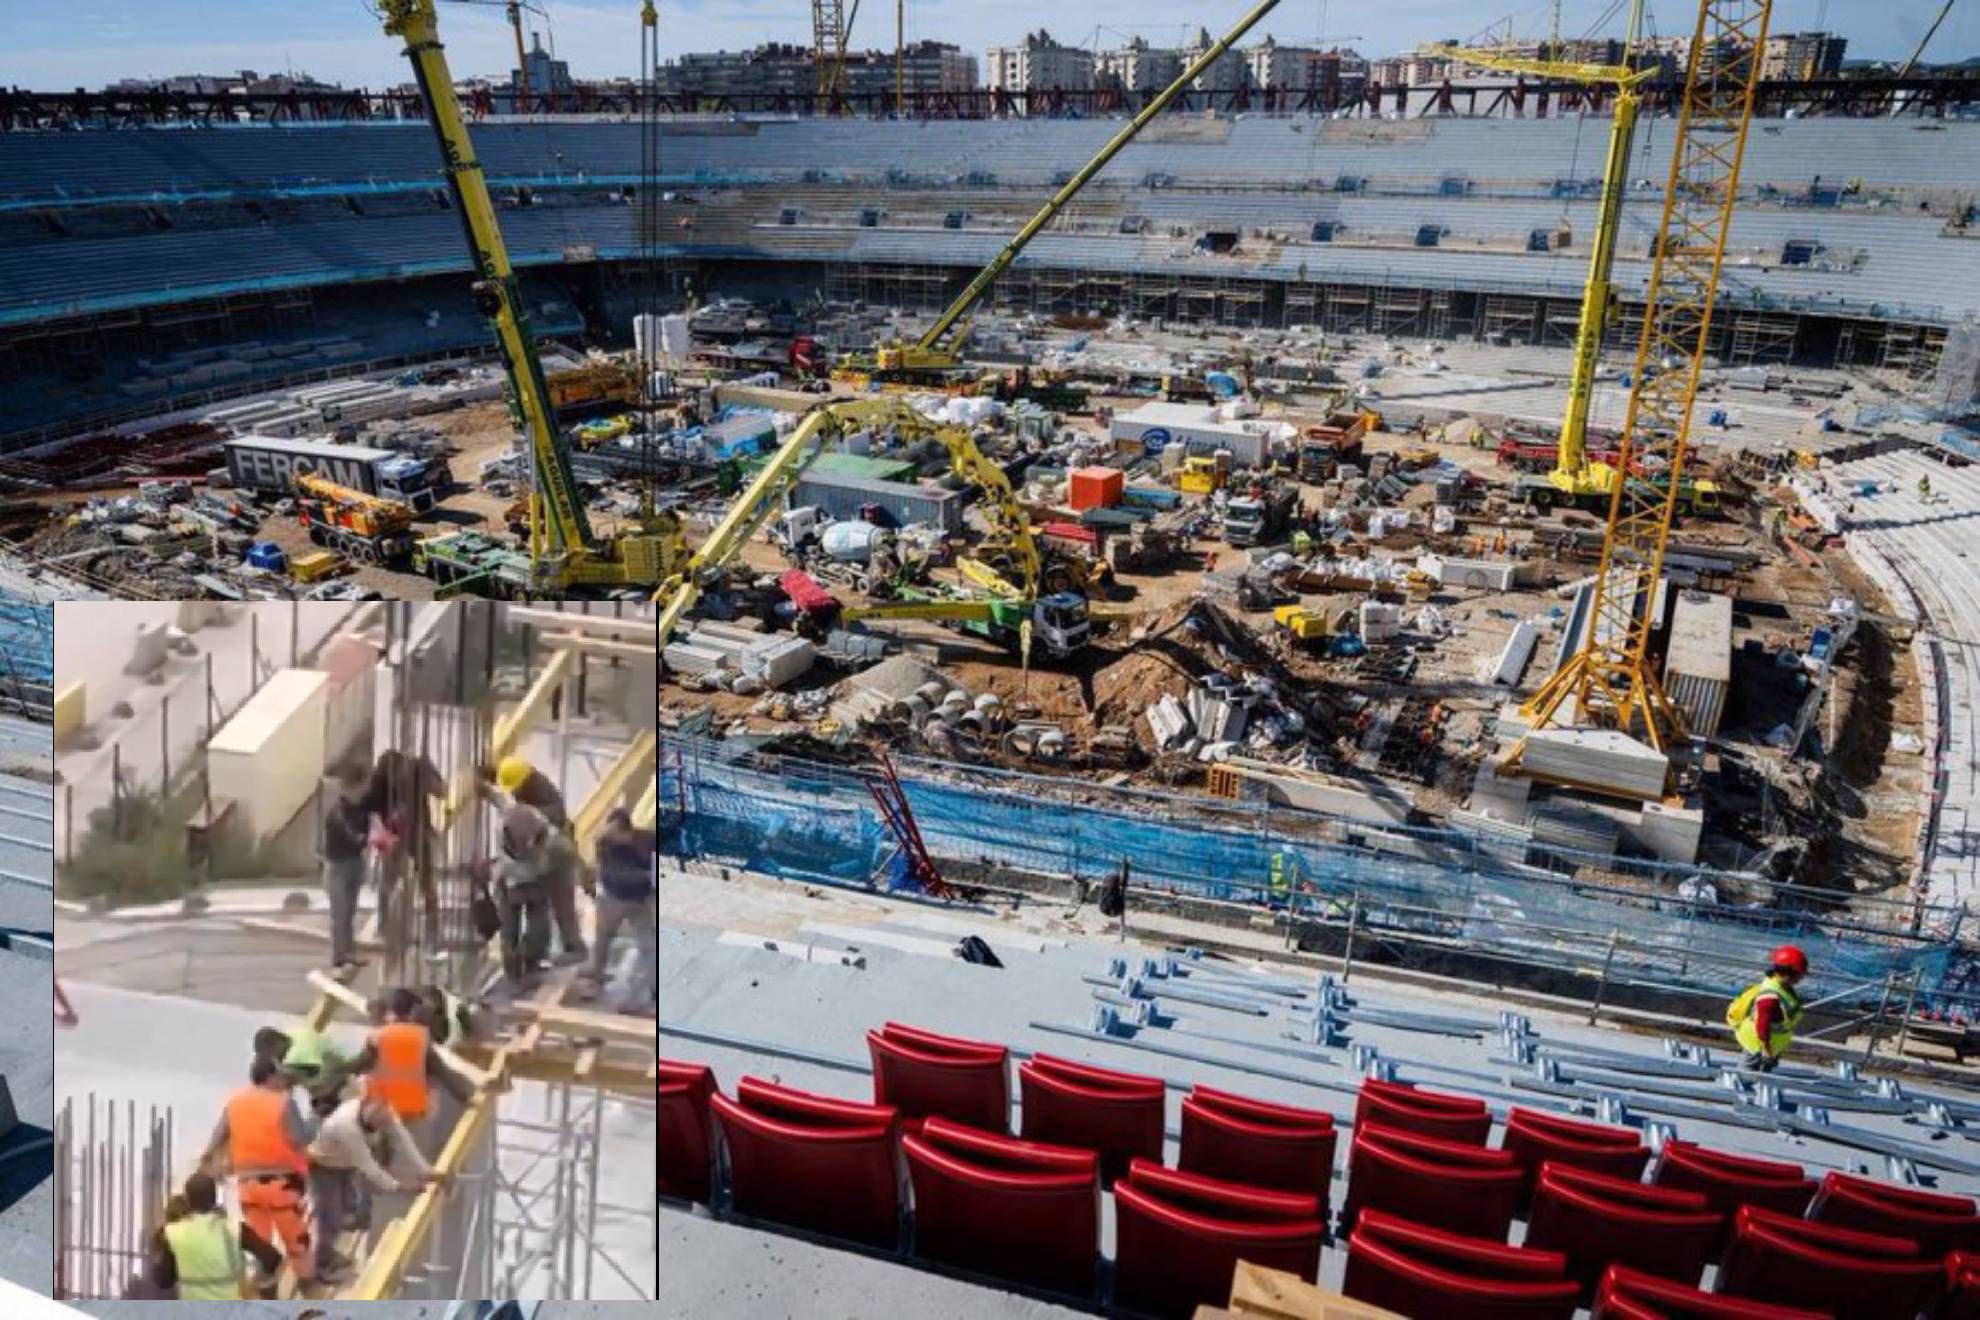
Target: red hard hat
1789, 958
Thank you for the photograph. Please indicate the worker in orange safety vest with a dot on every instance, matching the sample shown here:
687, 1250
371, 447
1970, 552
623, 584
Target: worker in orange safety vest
401, 1065
265, 1141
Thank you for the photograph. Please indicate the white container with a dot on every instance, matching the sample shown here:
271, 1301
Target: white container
268, 759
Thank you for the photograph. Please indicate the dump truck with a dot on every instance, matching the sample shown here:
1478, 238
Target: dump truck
271, 465
1256, 519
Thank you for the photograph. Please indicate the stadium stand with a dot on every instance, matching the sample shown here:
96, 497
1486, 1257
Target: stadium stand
1428, 1223
114, 245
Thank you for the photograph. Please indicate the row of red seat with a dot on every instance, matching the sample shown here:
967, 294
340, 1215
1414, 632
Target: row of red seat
1253, 1182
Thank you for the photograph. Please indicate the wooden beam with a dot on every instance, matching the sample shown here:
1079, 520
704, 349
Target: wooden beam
583, 1024
575, 621
615, 786
648, 807
566, 643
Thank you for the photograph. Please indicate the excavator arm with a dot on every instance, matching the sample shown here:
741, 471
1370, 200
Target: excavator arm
1010, 530
559, 530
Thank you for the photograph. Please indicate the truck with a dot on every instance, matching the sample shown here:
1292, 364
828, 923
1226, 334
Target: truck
1061, 624
1254, 519
271, 465
366, 529
1324, 448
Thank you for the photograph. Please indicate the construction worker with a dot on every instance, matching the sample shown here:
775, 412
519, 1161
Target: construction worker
626, 897
444, 1013
1925, 490
346, 834
400, 794
265, 1142
524, 783
522, 893
360, 1139
1764, 1016
305, 1054
202, 1253
400, 1064
527, 786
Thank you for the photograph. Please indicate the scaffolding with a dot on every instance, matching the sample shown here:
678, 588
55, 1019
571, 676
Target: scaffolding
519, 1208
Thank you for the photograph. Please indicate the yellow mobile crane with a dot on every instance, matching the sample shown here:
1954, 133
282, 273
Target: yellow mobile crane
935, 361
1010, 555
1611, 679
565, 553
1575, 478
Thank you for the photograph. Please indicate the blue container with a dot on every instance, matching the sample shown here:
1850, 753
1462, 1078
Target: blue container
268, 555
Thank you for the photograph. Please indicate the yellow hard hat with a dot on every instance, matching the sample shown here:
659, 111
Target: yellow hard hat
512, 772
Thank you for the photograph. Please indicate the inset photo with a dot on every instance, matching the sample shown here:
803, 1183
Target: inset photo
357, 986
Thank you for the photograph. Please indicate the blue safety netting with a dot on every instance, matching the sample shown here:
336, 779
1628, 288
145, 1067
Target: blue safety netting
815, 822
27, 642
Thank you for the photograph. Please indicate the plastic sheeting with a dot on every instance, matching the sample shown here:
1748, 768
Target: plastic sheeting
813, 822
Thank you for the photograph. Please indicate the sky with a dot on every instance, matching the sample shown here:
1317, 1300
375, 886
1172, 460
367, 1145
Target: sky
58, 46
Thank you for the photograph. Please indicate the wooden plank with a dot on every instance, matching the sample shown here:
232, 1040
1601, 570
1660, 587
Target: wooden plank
1258, 1293
567, 643
613, 787
618, 1027
575, 621
587, 1063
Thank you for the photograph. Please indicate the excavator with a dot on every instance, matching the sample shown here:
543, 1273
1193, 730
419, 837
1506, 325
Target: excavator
1009, 565
934, 361
565, 554
366, 529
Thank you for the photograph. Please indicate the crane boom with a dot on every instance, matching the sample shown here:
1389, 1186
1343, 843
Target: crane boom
1009, 527
1598, 294
564, 551
1611, 678
952, 317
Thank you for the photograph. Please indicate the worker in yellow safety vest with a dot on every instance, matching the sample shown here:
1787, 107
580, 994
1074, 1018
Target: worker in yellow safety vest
1764, 1016
203, 1253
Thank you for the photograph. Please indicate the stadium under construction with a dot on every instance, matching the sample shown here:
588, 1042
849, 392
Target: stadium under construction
1185, 623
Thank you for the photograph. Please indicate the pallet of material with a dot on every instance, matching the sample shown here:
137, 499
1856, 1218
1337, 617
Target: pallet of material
1258, 1293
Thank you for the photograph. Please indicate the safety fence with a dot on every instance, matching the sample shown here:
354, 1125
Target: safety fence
27, 659
1502, 898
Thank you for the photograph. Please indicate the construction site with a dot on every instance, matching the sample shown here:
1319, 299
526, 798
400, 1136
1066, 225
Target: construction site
201, 752
1206, 656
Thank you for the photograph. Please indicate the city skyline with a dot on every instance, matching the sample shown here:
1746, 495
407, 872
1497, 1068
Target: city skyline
93, 47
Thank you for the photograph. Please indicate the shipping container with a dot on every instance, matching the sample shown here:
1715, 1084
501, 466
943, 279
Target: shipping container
901, 504
271, 464
1095, 487
1698, 663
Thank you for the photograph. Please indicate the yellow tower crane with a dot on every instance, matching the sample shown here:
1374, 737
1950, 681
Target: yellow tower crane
1610, 679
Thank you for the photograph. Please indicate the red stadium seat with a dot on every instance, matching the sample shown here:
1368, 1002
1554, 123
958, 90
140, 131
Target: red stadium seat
1962, 1300
1179, 1237
1797, 1262
1628, 1294
1445, 1184
929, 1076
1598, 1221
1003, 1207
1938, 1223
1731, 1181
1418, 1271
1395, 1105
1534, 1138
1249, 1141
811, 1161
685, 1148
1117, 1115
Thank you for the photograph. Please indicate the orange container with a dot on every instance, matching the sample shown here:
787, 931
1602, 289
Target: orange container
1097, 487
